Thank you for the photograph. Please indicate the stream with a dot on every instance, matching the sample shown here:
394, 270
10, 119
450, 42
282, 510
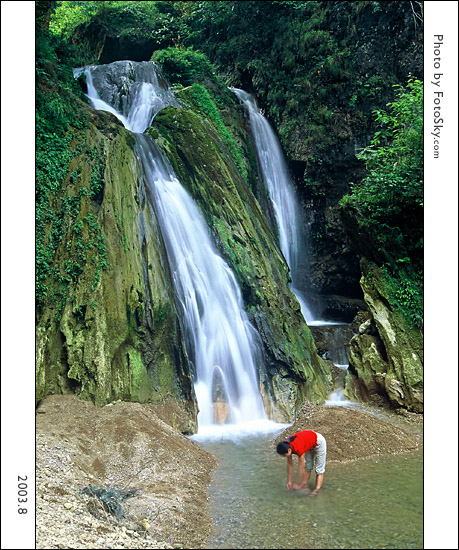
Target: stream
374, 503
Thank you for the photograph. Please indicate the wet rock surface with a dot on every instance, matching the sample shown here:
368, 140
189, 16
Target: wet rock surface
387, 354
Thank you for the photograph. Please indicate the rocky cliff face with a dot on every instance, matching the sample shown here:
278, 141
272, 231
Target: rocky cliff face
117, 336
386, 357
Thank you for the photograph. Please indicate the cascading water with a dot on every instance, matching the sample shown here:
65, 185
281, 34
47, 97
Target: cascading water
132, 91
222, 344
338, 339
282, 193
291, 236
333, 344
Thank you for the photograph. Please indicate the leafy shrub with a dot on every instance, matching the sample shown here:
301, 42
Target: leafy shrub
390, 197
183, 66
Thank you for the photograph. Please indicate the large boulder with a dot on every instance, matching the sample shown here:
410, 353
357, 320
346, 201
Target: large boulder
386, 357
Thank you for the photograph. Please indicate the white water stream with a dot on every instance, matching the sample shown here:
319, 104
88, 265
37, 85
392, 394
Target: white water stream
283, 197
132, 91
288, 217
222, 344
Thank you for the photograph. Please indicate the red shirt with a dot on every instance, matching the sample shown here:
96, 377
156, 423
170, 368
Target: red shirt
303, 442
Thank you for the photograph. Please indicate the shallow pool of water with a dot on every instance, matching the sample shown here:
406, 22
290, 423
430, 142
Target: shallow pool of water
369, 504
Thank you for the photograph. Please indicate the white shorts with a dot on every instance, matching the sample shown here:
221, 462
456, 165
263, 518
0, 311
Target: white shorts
318, 454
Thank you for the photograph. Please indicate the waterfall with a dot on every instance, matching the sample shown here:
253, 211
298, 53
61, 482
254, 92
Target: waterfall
133, 91
334, 342
291, 236
282, 194
221, 342
223, 346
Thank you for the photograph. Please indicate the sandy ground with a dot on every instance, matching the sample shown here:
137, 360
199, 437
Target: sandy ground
129, 446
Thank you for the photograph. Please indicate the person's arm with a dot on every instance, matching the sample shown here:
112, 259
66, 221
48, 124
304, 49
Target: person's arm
289, 471
300, 474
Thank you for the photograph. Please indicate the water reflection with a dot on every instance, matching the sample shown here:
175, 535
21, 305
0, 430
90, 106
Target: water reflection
370, 504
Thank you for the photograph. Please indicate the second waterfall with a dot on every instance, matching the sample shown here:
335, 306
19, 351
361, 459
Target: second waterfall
222, 345
287, 211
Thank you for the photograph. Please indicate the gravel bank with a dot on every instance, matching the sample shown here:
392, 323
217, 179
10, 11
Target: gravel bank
123, 446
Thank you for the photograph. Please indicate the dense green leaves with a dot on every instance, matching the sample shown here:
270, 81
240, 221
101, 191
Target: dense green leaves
389, 200
391, 195
184, 66
156, 21
61, 223
401, 129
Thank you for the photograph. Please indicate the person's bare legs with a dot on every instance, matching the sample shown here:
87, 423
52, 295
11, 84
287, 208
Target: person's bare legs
319, 481
304, 485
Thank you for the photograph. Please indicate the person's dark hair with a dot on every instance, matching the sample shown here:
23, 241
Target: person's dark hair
283, 447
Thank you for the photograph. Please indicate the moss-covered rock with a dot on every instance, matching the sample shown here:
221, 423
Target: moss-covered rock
114, 334
387, 356
203, 164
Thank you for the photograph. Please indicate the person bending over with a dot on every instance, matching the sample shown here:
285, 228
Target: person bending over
305, 444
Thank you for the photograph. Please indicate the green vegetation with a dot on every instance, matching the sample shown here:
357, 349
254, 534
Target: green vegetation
389, 200
184, 66
158, 22
394, 158
298, 57
60, 218
283, 51
204, 92
390, 197
63, 160
406, 288
125, 18
203, 102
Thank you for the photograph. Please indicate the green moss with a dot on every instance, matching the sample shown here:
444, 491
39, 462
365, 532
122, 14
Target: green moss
140, 389
68, 170
200, 99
